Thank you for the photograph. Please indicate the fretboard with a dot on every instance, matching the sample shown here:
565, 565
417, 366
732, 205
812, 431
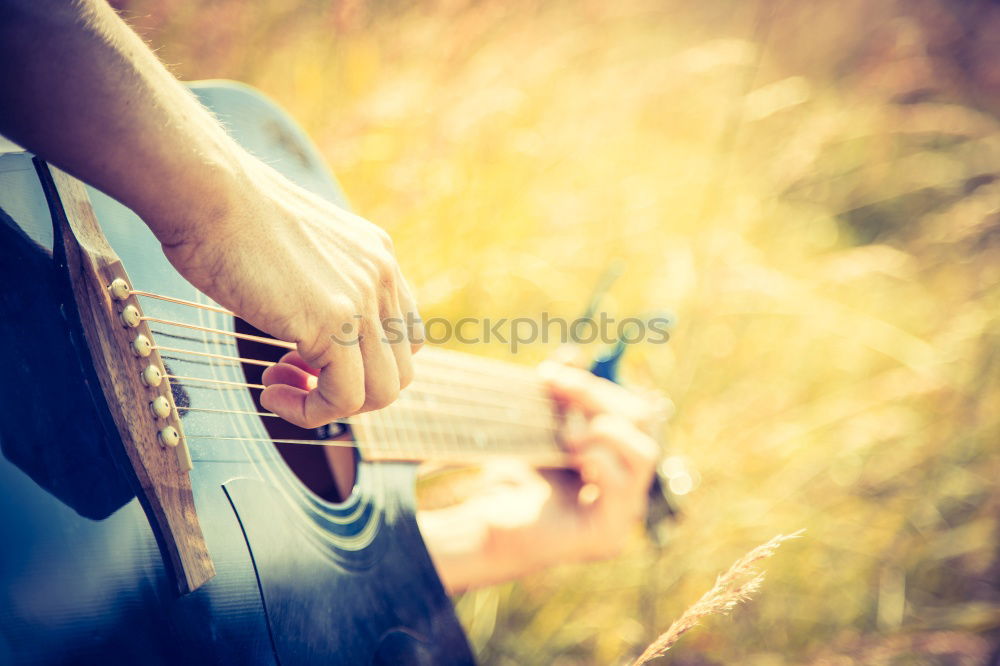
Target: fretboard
462, 409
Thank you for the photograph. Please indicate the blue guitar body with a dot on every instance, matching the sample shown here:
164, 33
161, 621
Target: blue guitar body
300, 580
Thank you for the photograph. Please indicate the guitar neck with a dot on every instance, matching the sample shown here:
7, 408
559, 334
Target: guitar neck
462, 409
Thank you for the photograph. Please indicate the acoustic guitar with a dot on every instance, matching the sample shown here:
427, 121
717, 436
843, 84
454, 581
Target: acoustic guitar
150, 510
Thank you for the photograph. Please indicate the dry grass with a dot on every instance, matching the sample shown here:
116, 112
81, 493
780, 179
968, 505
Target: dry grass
732, 588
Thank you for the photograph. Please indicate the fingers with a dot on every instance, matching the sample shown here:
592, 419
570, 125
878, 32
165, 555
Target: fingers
395, 333
615, 461
381, 372
294, 358
632, 448
581, 389
291, 375
356, 374
414, 325
339, 391
576, 388
603, 472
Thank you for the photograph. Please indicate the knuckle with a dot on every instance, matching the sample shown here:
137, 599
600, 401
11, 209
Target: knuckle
340, 310
385, 240
313, 350
649, 451
384, 268
313, 422
380, 399
387, 281
606, 425
352, 404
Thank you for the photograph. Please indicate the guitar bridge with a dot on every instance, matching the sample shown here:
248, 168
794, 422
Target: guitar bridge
133, 380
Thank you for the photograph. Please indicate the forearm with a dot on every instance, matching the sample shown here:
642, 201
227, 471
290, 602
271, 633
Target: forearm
469, 550
75, 76
513, 526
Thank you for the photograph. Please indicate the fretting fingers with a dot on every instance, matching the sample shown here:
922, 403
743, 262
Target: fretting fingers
636, 450
578, 388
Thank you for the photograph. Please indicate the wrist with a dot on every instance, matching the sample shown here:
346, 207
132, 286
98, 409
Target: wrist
200, 196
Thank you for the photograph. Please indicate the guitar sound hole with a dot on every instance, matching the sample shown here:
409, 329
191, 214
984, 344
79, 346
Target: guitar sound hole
328, 471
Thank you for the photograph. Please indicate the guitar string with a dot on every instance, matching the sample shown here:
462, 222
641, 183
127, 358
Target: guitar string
510, 444
524, 375
513, 371
237, 359
381, 448
406, 397
180, 301
514, 442
279, 343
431, 389
505, 440
519, 375
501, 440
499, 365
216, 331
527, 380
395, 407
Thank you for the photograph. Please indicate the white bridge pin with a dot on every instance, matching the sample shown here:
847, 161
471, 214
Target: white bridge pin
160, 406
151, 376
119, 289
141, 346
169, 436
130, 316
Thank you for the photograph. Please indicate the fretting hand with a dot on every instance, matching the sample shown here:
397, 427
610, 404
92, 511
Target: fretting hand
521, 519
614, 454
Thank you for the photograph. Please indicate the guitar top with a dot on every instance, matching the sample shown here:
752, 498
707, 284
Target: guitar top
85, 573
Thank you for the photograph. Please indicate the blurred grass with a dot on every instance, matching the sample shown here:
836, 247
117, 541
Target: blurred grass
811, 187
